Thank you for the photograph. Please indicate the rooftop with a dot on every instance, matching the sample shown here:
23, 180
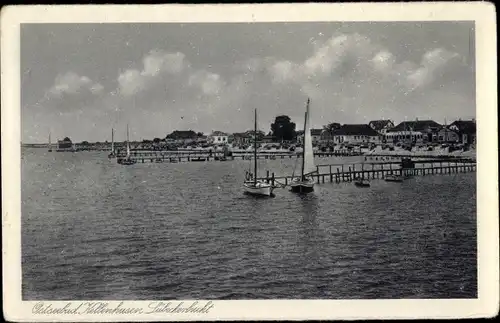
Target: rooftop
379, 124
355, 130
464, 125
218, 133
417, 125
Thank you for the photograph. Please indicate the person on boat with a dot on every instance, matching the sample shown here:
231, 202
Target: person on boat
248, 176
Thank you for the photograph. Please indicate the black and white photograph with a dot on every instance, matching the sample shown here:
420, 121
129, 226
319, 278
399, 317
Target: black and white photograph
257, 160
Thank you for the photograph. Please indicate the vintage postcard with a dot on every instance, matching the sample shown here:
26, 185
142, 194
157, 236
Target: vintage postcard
249, 162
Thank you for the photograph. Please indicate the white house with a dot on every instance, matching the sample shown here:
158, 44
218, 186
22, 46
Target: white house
381, 126
218, 137
356, 134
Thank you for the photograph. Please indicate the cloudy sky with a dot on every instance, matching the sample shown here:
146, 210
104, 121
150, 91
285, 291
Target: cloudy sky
80, 80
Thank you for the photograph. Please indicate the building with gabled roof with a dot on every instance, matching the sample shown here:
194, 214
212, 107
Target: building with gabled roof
414, 131
381, 126
466, 130
218, 137
356, 134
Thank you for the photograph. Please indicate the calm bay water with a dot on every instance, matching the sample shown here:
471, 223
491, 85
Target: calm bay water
92, 229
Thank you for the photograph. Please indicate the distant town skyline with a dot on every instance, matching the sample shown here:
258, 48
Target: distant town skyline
81, 80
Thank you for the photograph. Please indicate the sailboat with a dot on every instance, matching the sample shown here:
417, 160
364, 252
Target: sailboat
50, 144
127, 160
112, 154
251, 185
305, 183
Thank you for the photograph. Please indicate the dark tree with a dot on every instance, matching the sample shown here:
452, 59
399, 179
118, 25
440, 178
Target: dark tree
156, 140
66, 139
283, 128
332, 126
200, 134
85, 142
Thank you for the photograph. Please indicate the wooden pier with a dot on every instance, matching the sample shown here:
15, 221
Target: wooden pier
196, 155
337, 173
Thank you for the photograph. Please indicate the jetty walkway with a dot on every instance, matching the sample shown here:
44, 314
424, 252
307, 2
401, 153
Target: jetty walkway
197, 155
337, 173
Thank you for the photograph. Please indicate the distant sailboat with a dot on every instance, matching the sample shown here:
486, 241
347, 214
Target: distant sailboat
50, 144
252, 186
305, 183
127, 160
112, 154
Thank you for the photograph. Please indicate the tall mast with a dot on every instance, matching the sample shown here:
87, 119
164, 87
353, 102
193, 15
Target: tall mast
255, 149
128, 145
112, 140
304, 141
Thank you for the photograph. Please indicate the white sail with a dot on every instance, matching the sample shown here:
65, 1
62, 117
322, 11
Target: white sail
128, 145
112, 140
309, 166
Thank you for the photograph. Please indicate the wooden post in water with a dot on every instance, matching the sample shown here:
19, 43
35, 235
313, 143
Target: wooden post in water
267, 176
272, 179
337, 178
382, 166
350, 174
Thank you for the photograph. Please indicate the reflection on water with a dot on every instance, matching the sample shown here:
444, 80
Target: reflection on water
92, 229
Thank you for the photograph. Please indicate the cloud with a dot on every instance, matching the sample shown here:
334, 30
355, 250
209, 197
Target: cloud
159, 61
431, 62
383, 60
72, 83
130, 82
155, 64
283, 71
356, 57
209, 83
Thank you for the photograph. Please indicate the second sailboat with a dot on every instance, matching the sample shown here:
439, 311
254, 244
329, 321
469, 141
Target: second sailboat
251, 185
305, 183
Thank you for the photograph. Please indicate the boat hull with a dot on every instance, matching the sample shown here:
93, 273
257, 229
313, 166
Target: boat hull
394, 179
358, 184
126, 161
302, 187
259, 190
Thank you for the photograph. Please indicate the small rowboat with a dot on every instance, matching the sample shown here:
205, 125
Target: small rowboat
362, 183
394, 178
